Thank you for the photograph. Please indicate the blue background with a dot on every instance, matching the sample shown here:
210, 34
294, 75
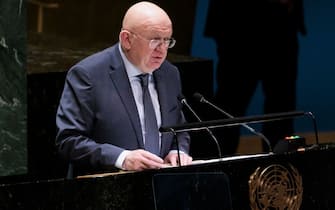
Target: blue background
316, 74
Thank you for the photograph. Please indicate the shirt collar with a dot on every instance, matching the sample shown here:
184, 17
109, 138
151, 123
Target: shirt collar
132, 70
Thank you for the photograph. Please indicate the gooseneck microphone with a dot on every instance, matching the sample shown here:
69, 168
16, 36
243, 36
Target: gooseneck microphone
184, 102
202, 99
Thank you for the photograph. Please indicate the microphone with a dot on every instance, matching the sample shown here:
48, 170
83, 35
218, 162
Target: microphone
184, 102
310, 114
202, 99
315, 146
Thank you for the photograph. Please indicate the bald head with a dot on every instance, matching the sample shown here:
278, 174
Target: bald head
145, 35
145, 15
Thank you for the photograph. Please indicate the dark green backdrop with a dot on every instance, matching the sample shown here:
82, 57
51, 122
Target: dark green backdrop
13, 149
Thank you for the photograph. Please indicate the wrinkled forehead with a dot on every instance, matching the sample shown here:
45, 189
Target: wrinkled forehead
155, 26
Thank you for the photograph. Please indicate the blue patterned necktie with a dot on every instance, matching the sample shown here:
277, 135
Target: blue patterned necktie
150, 122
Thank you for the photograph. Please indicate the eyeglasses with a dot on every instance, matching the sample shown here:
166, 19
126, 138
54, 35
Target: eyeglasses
153, 43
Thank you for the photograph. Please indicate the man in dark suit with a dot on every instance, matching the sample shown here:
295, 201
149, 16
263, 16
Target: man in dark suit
257, 43
100, 118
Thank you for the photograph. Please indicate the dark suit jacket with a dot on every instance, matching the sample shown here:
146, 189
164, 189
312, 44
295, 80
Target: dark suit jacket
97, 117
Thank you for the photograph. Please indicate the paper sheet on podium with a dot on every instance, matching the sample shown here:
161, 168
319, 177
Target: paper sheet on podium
195, 162
237, 157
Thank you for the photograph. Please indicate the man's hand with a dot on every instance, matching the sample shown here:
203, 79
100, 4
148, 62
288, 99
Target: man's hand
172, 159
139, 160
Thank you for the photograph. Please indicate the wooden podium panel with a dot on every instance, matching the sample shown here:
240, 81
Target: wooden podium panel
314, 170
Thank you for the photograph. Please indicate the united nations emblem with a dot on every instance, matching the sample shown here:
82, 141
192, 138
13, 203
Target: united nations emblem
275, 187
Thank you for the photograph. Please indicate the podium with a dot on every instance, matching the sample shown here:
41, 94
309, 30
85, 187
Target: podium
306, 180
197, 191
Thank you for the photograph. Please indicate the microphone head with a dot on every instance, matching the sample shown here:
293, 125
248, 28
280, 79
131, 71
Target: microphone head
199, 97
182, 98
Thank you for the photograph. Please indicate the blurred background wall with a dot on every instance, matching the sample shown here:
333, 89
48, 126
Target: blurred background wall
316, 74
13, 91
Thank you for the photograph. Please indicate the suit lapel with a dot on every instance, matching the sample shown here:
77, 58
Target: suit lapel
161, 87
121, 82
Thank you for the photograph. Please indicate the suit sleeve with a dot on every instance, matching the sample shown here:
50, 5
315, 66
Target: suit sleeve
75, 121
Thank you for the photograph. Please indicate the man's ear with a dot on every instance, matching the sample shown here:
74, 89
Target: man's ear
124, 38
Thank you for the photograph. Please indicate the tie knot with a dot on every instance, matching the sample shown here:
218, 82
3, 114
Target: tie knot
144, 79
